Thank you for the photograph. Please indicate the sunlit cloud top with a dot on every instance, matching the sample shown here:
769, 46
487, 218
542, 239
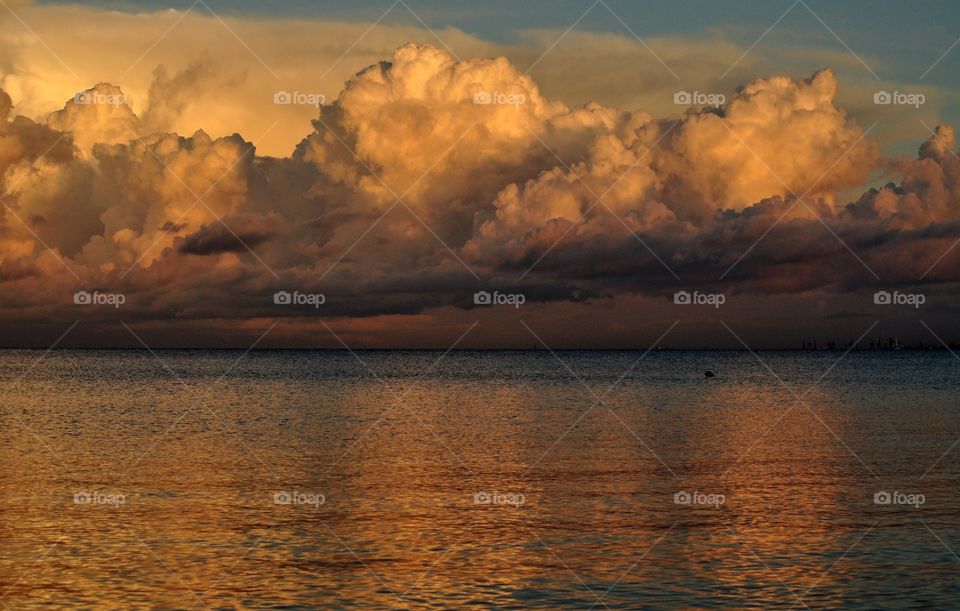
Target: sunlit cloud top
200, 164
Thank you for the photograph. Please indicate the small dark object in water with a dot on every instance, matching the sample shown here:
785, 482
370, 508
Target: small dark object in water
709, 374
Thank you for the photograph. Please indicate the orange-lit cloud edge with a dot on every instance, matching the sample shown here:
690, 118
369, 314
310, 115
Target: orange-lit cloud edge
429, 178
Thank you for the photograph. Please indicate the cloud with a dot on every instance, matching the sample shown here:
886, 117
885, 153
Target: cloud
929, 191
234, 234
84, 45
429, 177
218, 74
170, 96
99, 115
775, 138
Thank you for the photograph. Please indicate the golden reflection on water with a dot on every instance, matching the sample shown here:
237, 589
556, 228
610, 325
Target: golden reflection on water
399, 525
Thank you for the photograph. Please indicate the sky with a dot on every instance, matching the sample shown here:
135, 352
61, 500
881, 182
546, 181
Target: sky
414, 174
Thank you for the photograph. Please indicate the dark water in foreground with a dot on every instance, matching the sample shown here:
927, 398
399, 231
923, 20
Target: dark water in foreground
312, 480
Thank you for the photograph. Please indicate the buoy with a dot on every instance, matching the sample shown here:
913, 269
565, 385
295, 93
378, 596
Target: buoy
709, 374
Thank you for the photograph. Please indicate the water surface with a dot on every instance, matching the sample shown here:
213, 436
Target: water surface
128, 480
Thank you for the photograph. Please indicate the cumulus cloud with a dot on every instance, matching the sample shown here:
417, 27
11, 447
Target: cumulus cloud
428, 177
219, 73
100, 114
776, 138
930, 189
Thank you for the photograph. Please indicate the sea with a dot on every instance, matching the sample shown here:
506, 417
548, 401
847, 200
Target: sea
534, 479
